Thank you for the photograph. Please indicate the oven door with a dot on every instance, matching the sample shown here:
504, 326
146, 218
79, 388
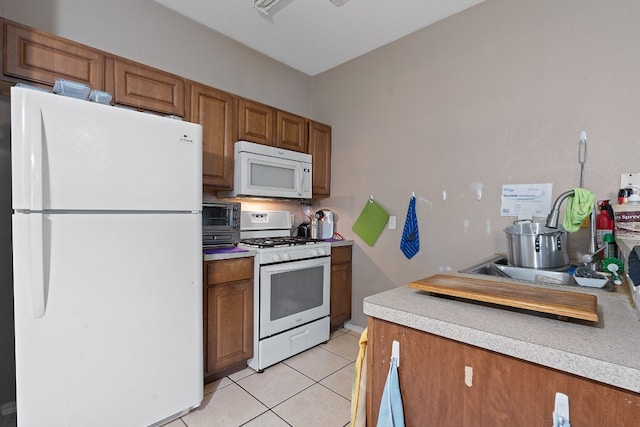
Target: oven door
293, 293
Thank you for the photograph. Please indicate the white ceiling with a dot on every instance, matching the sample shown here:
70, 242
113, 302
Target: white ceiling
313, 36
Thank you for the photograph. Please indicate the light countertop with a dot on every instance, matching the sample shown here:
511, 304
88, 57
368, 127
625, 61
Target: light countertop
239, 252
607, 351
336, 243
227, 253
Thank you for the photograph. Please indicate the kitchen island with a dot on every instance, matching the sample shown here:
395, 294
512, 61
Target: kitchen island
473, 364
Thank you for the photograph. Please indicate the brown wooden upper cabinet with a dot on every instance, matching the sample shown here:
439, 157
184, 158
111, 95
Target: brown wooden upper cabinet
291, 132
143, 87
320, 150
256, 122
215, 110
266, 125
41, 58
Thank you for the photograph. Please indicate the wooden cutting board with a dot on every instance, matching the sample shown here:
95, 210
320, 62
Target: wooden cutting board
544, 300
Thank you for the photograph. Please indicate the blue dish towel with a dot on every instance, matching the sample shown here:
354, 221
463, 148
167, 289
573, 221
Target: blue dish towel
410, 242
391, 413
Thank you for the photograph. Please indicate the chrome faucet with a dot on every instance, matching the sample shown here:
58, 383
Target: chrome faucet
589, 259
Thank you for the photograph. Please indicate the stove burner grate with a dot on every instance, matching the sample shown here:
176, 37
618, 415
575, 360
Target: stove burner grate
275, 242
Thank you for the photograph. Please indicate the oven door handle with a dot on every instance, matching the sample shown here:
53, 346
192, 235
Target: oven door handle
296, 265
298, 336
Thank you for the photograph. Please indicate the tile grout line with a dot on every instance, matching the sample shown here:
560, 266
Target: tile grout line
334, 335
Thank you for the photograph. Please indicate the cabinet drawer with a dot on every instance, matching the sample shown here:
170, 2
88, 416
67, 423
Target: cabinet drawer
229, 270
340, 254
42, 58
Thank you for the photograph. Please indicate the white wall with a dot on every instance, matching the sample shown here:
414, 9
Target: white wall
145, 31
496, 94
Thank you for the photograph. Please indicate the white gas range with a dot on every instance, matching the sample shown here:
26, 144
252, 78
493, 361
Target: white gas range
291, 287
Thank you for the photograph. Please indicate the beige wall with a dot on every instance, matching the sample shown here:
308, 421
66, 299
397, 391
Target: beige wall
494, 95
145, 31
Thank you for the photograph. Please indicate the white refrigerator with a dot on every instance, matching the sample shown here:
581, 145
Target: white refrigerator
107, 258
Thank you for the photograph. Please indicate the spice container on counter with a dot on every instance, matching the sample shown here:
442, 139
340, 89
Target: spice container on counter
627, 218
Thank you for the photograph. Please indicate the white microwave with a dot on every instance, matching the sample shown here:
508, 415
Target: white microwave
265, 171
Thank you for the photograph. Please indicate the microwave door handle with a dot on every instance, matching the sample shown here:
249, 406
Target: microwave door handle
301, 181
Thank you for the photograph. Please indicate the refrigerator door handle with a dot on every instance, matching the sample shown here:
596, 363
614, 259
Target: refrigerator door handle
32, 173
36, 267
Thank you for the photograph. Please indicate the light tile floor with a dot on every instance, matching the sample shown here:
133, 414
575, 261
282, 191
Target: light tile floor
310, 389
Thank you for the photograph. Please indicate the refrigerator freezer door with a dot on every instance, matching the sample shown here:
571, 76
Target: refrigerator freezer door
120, 339
70, 154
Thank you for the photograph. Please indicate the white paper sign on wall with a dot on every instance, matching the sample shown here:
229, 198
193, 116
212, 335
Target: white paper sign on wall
526, 200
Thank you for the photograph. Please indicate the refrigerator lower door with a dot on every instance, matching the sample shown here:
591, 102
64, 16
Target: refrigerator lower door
119, 340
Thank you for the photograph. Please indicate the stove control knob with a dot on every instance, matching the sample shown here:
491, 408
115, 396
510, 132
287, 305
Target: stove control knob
286, 257
275, 258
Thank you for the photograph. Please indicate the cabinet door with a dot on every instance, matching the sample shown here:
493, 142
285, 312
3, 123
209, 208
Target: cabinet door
291, 132
445, 382
145, 88
230, 324
340, 305
216, 112
320, 150
228, 316
431, 375
37, 57
510, 391
255, 122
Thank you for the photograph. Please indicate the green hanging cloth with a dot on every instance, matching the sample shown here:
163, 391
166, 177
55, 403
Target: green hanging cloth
579, 206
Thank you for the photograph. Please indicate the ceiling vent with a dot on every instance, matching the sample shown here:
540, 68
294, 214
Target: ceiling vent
265, 5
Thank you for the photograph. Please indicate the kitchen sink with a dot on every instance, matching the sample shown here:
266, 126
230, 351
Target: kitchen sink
498, 265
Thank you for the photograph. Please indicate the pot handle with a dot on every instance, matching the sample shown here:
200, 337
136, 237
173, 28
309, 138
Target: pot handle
558, 234
518, 221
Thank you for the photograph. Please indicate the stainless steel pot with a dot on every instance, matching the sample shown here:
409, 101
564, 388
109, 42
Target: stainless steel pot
533, 245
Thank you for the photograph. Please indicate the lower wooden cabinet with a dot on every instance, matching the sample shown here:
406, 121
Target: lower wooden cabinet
228, 316
445, 382
340, 299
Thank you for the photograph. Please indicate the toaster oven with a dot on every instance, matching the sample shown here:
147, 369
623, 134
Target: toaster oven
220, 224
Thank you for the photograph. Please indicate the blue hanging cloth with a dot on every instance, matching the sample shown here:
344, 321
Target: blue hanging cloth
391, 413
410, 242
